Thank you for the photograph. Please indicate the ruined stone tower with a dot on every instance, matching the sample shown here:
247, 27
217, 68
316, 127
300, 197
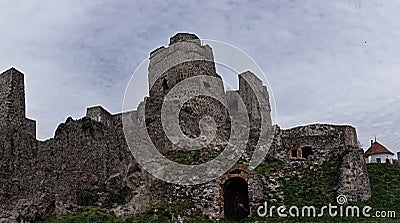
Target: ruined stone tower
184, 58
12, 102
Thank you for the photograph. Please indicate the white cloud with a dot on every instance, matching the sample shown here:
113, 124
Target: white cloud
334, 61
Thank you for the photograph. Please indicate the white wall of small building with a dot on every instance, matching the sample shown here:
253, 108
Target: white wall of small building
372, 158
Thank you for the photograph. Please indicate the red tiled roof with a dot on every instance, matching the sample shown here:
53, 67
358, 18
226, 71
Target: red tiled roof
377, 148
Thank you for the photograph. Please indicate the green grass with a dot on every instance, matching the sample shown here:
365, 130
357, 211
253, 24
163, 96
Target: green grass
170, 213
185, 157
90, 197
269, 165
158, 214
385, 187
86, 215
314, 188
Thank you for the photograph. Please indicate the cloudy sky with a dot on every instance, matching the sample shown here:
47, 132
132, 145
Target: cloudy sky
326, 61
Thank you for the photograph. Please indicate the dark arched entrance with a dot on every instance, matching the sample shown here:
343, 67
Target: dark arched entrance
236, 199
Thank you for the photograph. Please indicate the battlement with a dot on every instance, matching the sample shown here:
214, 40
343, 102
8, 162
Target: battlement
184, 37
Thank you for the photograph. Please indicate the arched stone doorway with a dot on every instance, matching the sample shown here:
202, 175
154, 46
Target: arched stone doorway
236, 199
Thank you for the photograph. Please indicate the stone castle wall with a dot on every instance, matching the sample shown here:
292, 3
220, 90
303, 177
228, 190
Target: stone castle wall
320, 138
323, 144
353, 179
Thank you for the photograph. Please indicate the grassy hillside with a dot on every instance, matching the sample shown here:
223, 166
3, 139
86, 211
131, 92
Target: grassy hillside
313, 189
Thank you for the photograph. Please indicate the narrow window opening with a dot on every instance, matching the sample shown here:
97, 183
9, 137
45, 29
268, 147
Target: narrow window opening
306, 152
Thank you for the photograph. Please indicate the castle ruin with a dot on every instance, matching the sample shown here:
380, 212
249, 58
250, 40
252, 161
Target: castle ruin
42, 178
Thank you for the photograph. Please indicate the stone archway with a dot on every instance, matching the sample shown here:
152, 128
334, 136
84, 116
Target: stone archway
236, 199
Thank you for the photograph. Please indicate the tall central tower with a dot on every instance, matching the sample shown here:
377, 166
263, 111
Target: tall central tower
185, 57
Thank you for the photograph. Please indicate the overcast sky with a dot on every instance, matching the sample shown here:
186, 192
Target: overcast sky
326, 61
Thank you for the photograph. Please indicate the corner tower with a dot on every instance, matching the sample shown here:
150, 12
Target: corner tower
12, 102
12, 97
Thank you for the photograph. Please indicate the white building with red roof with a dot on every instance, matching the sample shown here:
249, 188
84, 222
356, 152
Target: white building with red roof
378, 153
